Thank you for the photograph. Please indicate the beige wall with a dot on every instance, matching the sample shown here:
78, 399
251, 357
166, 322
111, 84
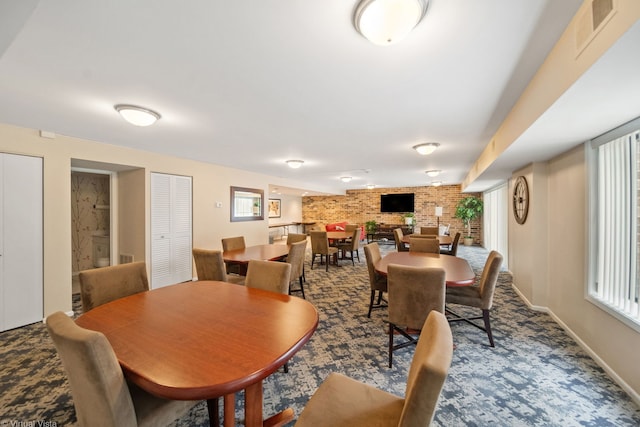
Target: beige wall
210, 184
549, 264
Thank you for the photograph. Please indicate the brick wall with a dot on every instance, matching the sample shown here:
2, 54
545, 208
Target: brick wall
360, 206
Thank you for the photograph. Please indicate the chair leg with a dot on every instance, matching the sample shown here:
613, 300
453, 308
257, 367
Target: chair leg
390, 344
487, 326
313, 258
286, 367
327, 263
373, 295
302, 287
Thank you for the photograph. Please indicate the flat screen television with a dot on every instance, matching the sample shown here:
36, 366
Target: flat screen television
401, 202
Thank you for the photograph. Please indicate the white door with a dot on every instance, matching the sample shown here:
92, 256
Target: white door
21, 247
170, 229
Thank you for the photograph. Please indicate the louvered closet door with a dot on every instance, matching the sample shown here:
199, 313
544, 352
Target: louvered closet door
170, 229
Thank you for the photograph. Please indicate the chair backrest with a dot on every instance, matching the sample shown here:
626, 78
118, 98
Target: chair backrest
428, 371
372, 254
489, 278
418, 244
296, 258
398, 235
354, 243
319, 242
429, 230
293, 238
99, 390
102, 285
233, 243
209, 264
413, 293
351, 227
271, 276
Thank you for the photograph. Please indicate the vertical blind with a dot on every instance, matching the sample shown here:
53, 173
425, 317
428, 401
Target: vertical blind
617, 264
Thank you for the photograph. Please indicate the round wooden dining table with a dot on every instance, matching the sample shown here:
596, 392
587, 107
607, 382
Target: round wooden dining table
204, 340
458, 272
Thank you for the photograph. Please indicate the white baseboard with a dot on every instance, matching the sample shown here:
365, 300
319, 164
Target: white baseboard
614, 376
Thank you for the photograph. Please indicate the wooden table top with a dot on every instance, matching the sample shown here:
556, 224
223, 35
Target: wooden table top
259, 252
339, 235
444, 239
202, 340
458, 272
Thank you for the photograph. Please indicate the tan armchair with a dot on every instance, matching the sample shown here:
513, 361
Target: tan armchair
320, 246
413, 293
101, 395
377, 282
296, 259
432, 231
294, 238
419, 244
480, 296
210, 266
453, 248
271, 276
398, 235
352, 246
231, 244
343, 402
102, 285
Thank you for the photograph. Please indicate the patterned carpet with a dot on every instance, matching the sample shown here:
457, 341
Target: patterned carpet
536, 374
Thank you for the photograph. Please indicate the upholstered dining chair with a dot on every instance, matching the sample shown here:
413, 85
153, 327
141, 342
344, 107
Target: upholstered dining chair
418, 244
453, 248
231, 244
343, 402
480, 296
377, 282
413, 293
320, 246
271, 276
398, 235
352, 246
294, 238
101, 395
432, 231
102, 285
296, 259
210, 266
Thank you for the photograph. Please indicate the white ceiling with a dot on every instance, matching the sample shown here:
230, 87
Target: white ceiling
250, 84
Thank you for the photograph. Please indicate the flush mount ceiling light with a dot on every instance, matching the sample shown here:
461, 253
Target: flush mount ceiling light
138, 116
436, 183
426, 148
384, 22
371, 186
346, 178
433, 173
294, 164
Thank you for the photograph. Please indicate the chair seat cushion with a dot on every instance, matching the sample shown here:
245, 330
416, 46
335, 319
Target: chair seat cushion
342, 401
154, 411
465, 295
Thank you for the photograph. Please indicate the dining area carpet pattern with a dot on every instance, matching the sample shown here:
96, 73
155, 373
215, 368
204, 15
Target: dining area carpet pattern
536, 375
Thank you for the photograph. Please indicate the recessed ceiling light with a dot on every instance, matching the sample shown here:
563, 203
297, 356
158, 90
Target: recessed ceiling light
295, 164
346, 178
136, 115
426, 148
384, 22
433, 173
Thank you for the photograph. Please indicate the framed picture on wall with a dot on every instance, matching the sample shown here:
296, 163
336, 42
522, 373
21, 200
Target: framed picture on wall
274, 208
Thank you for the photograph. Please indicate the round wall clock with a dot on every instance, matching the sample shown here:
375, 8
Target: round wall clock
520, 200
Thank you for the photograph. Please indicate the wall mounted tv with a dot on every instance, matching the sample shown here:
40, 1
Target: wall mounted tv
402, 202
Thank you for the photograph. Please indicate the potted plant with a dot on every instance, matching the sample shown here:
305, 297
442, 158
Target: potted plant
467, 210
409, 219
370, 226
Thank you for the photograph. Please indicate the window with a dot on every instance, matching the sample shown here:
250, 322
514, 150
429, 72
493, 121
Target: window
615, 250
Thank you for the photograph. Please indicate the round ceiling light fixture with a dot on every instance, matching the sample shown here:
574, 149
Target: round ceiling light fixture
136, 115
384, 22
426, 148
294, 164
433, 173
436, 183
346, 178
371, 186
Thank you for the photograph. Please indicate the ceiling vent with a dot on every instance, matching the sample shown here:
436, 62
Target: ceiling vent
592, 19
